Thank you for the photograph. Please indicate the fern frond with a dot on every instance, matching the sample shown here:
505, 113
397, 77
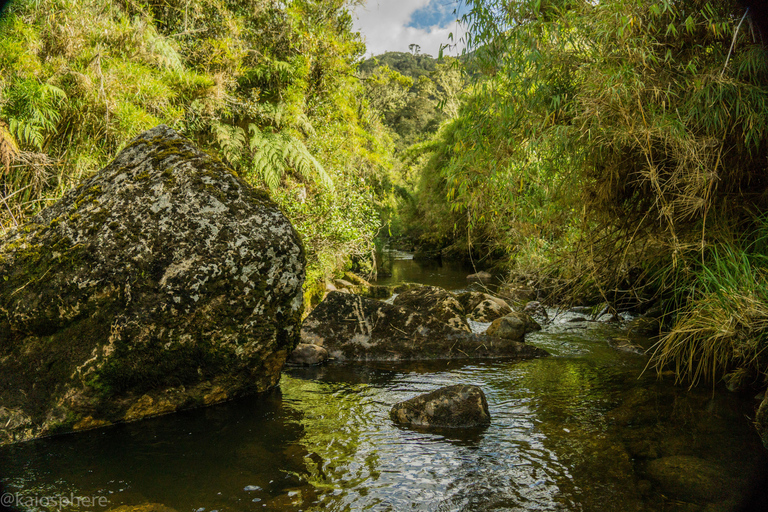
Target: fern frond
32, 110
297, 154
231, 140
274, 152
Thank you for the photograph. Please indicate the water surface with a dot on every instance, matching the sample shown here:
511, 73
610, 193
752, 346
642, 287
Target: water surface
571, 432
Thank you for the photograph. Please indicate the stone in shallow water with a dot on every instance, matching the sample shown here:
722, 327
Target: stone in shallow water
691, 478
354, 328
162, 282
513, 326
458, 406
307, 354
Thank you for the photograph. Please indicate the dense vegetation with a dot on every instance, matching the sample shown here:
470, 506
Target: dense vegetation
268, 87
618, 149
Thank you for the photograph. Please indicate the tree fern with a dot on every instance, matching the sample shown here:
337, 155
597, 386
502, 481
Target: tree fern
274, 152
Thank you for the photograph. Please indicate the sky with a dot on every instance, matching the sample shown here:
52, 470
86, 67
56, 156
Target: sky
393, 25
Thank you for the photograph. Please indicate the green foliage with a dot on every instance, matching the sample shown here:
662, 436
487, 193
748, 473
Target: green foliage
723, 326
268, 86
273, 151
410, 65
614, 144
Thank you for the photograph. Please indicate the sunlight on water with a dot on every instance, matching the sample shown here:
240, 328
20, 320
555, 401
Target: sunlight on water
572, 432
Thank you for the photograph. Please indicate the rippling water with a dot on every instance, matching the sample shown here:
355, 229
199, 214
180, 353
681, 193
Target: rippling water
571, 432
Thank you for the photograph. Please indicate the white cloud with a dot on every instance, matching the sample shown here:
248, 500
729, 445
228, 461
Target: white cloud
383, 24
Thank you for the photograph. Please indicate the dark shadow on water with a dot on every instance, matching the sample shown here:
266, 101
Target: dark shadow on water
464, 437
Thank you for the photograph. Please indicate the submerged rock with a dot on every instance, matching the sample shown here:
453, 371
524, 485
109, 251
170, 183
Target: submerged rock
306, 354
691, 478
161, 283
513, 326
480, 276
459, 406
437, 302
354, 328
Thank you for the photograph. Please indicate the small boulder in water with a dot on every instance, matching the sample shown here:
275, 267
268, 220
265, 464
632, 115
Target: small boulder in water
306, 354
691, 478
480, 276
458, 406
513, 326
536, 310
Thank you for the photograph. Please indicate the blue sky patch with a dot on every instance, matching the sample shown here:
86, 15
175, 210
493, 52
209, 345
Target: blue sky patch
436, 12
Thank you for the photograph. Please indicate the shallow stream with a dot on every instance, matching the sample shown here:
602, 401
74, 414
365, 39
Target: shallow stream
574, 432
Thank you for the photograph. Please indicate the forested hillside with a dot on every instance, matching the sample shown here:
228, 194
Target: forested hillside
269, 88
617, 150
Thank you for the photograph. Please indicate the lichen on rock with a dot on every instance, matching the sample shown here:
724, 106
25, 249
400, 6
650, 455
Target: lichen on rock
160, 282
354, 328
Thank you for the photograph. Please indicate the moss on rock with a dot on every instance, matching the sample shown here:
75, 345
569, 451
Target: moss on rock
162, 278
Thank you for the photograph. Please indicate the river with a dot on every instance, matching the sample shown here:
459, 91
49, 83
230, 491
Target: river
578, 431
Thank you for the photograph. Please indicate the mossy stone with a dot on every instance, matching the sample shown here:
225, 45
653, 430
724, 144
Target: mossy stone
162, 276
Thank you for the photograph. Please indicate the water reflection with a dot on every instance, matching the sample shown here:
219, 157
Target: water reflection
576, 431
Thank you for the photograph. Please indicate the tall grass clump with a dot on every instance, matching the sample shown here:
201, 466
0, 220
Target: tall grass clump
720, 327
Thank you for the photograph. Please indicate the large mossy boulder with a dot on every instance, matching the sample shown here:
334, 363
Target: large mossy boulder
163, 282
353, 328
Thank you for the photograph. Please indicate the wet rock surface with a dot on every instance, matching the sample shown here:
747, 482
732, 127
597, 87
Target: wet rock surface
351, 327
482, 307
306, 354
691, 478
161, 283
513, 326
480, 276
536, 310
458, 406
436, 302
